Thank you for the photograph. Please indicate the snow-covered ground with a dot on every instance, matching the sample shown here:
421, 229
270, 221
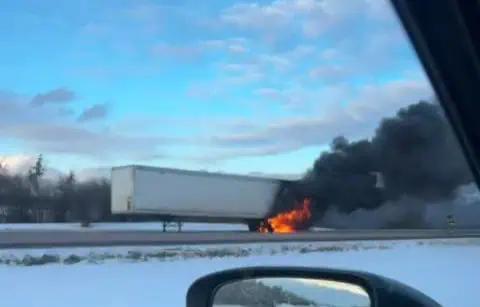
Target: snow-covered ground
447, 270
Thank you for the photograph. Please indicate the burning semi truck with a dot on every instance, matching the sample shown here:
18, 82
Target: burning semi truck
175, 195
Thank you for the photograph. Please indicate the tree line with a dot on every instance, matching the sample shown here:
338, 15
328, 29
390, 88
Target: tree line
253, 293
30, 197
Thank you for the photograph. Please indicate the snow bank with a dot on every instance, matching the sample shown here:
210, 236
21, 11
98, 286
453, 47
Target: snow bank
97, 255
441, 268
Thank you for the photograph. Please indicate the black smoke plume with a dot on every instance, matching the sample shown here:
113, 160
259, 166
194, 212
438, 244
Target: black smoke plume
412, 159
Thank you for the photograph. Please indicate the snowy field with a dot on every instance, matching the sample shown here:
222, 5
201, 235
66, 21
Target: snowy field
447, 270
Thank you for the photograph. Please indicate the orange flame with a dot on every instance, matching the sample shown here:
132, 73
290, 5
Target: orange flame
290, 221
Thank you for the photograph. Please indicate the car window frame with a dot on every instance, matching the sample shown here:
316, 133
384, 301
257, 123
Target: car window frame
446, 37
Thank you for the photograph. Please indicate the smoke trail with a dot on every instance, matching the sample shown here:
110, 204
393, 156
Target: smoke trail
417, 157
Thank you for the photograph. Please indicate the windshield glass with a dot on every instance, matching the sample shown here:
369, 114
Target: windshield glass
289, 89
283, 116
324, 91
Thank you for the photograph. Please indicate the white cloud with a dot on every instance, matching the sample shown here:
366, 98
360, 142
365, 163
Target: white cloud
313, 28
330, 73
264, 66
71, 139
197, 50
278, 62
311, 17
277, 14
17, 164
356, 119
269, 93
299, 99
291, 97
45, 130
329, 54
349, 49
125, 24
377, 101
381, 9
241, 59
301, 51
285, 176
236, 45
241, 73
96, 29
203, 91
358, 36
184, 52
237, 48
87, 174
253, 15
146, 12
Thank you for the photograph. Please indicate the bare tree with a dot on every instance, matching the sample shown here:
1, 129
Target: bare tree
35, 173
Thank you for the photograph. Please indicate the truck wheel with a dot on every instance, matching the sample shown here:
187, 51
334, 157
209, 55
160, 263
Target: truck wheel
253, 225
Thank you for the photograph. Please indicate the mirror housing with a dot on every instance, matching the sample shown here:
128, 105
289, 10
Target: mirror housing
382, 291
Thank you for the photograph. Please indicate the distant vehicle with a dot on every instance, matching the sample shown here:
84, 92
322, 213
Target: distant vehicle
195, 196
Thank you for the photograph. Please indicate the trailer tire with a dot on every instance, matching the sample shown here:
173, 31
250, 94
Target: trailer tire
253, 225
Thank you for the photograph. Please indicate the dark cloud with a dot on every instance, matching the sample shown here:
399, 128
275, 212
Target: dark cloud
97, 111
56, 96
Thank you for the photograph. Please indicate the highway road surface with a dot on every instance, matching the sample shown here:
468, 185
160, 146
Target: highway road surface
57, 238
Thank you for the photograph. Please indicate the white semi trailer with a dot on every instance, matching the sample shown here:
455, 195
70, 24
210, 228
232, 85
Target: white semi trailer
180, 195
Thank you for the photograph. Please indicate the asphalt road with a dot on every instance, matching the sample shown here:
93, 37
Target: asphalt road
50, 238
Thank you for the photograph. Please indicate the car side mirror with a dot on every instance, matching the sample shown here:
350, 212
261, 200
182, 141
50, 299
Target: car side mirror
290, 286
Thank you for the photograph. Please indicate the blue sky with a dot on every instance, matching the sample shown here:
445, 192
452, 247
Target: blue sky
235, 86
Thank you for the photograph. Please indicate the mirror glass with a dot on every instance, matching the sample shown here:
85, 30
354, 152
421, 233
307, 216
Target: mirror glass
285, 292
